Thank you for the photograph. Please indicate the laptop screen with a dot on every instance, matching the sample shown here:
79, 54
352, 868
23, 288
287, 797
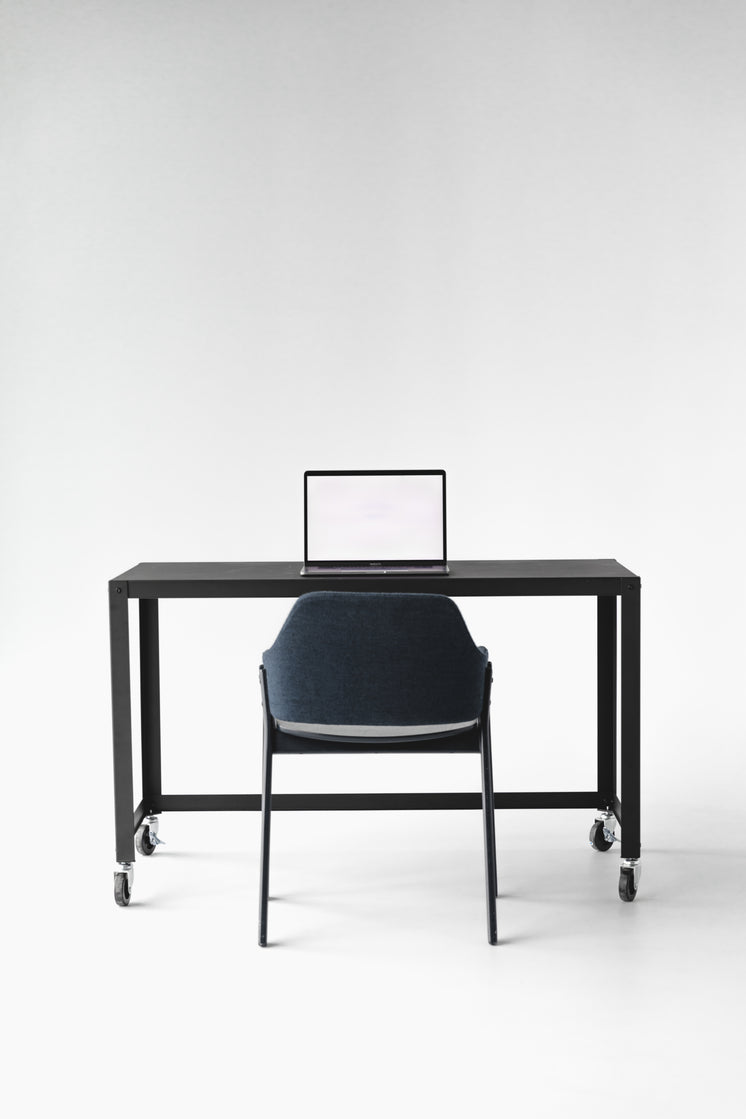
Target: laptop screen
368, 516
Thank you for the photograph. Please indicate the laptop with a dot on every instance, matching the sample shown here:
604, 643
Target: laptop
374, 522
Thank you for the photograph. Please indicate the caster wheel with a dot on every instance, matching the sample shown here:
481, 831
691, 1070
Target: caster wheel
597, 839
627, 888
144, 840
121, 889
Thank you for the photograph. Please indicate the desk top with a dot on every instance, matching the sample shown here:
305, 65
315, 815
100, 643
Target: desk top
468, 578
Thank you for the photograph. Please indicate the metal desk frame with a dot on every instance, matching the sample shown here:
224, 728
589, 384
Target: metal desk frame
605, 579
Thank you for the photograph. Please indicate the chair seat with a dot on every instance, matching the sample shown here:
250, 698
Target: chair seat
357, 731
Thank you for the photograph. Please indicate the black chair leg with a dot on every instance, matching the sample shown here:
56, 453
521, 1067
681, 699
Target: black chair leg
266, 816
488, 812
492, 816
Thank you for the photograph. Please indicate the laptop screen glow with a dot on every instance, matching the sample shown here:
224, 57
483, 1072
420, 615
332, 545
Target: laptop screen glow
374, 517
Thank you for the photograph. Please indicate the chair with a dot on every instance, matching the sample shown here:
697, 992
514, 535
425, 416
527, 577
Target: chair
360, 672
376, 673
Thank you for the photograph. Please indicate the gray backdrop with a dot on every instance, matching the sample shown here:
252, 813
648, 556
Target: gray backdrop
243, 239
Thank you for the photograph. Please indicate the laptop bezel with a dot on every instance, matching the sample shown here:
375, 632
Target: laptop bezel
372, 565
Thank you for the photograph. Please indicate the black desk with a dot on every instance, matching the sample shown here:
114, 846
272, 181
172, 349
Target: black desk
605, 579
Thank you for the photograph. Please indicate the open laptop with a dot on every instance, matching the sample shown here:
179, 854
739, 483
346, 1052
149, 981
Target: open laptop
374, 522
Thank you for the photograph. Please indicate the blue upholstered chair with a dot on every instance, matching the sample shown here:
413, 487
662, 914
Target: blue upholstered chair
354, 672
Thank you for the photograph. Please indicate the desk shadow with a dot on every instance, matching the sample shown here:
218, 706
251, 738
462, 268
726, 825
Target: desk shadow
198, 856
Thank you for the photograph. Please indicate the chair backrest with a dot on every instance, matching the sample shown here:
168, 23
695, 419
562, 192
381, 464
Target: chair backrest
353, 657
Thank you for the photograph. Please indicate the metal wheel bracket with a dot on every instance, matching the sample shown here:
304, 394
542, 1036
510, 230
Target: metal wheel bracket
129, 870
152, 822
634, 866
609, 821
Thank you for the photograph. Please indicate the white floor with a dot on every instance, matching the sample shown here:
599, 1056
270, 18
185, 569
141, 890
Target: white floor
379, 993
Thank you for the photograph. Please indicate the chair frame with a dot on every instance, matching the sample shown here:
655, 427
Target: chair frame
472, 740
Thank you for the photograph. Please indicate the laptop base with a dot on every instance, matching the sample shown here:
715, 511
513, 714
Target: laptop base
435, 569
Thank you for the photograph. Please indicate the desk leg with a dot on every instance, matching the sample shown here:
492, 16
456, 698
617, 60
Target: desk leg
606, 705
150, 706
631, 729
121, 710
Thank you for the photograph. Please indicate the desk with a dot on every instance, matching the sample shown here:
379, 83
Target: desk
605, 579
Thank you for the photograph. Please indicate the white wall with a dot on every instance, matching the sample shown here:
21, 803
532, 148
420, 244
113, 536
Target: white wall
244, 239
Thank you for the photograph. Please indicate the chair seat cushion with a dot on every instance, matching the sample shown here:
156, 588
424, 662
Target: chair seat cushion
353, 731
